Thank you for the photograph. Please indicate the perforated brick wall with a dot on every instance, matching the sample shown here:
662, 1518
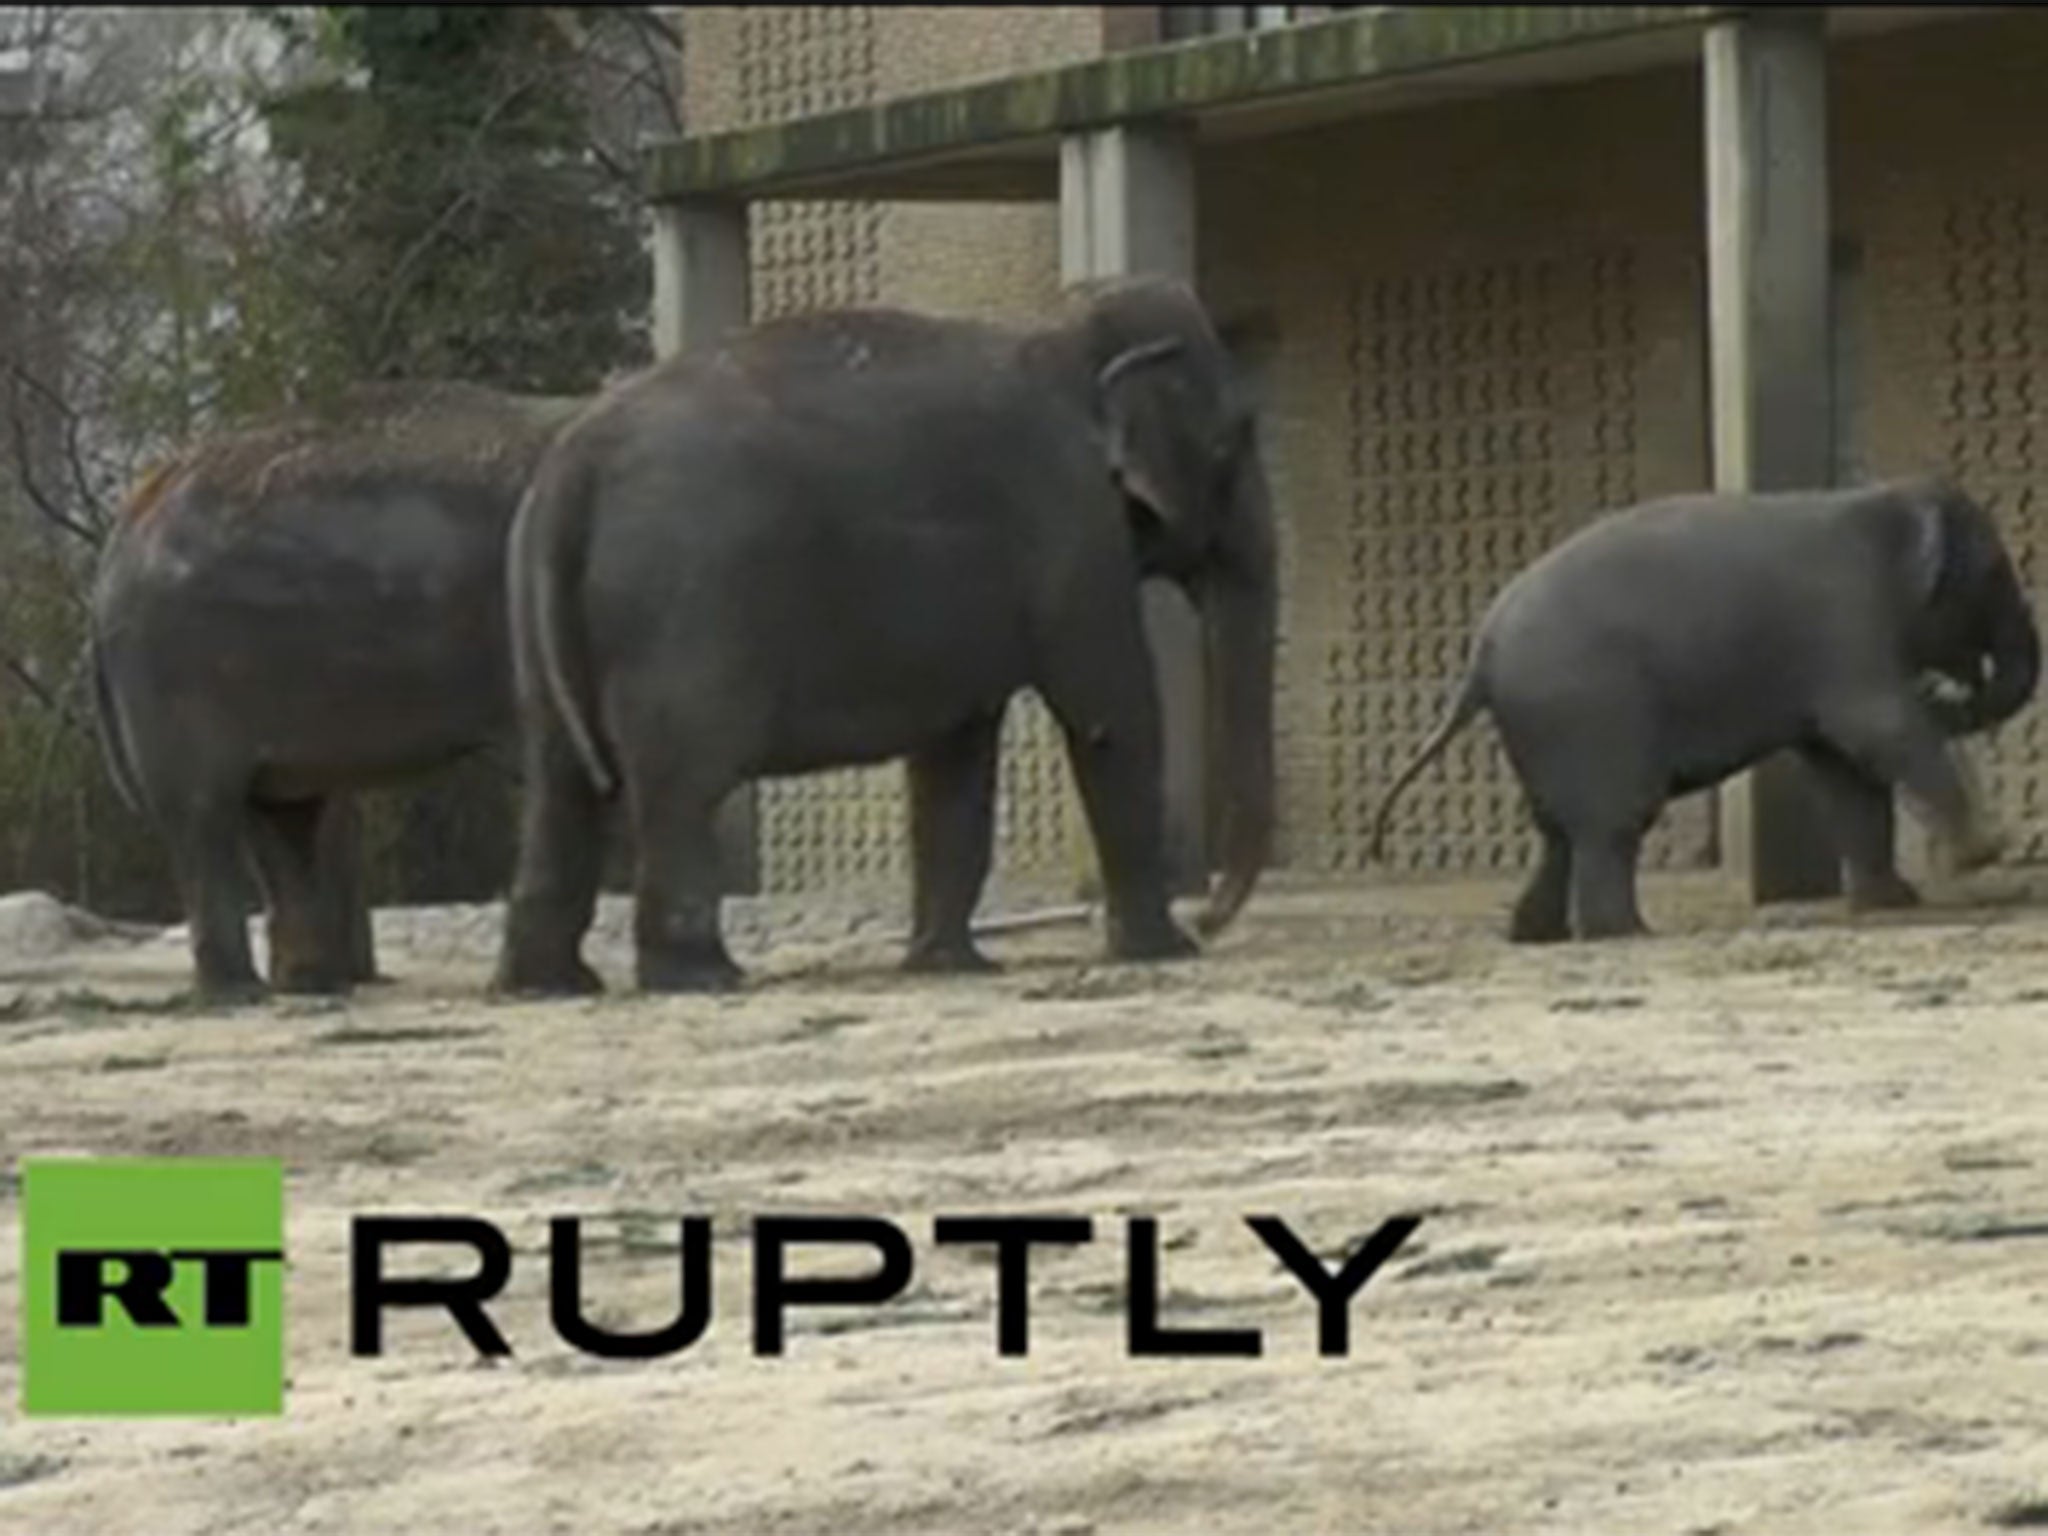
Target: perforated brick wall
1488, 330
1947, 206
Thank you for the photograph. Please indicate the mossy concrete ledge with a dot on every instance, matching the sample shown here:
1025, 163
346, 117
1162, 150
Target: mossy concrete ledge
1181, 78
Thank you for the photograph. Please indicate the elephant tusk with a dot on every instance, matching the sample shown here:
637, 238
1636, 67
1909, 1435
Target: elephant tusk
1017, 922
1045, 917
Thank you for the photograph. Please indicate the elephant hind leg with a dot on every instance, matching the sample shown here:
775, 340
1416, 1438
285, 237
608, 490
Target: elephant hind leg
952, 831
554, 886
207, 847
1543, 913
1859, 810
677, 945
1603, 884
673, 794
1588, 762
304, 957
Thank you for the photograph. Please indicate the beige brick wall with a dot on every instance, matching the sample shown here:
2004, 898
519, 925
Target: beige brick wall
927, 46
1488, 328
995, 260
745, 65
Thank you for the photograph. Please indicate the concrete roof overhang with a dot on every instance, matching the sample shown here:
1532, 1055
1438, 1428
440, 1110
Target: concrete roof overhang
999, 139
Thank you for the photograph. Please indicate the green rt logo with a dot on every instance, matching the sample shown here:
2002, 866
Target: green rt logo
153, 1286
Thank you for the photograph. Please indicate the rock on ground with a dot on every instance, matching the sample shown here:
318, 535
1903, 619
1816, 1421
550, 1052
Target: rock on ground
35, 925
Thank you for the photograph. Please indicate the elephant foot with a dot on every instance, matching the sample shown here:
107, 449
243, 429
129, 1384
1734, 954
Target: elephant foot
230, 991
1889, 893
308, 981
692, 970
519, 977
1161, 940
298, 973
1608, 933
947, 957
1537, 927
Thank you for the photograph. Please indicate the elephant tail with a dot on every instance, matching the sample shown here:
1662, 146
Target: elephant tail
113, 736
549, 540
1469, 700
117, 748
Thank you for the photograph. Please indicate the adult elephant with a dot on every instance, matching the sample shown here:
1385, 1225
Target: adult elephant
853, 536
294, 611
1672, 644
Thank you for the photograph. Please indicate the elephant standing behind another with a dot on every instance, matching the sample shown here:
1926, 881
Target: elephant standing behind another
297, 610
853, 536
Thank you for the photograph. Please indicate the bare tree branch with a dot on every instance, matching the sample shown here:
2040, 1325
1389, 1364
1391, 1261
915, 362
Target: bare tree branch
45, 504
74, 453
465, 197
35, 686
666, 91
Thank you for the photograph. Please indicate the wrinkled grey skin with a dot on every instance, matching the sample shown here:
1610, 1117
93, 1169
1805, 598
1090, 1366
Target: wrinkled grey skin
294, 611
851, 537
1675, 643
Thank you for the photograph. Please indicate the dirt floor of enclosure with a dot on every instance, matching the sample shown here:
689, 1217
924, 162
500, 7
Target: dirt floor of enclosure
1737, 1229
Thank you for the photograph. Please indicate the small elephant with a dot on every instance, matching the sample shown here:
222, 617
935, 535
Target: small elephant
296, 610
852, 536
1672, 644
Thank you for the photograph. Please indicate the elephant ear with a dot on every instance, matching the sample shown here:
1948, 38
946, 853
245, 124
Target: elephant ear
1139, 430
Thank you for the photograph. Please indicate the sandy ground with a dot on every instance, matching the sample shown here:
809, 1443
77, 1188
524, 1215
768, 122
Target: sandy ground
1738, 1229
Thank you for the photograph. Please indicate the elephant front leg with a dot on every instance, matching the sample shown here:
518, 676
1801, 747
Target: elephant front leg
554, 887
1896, 741
952, 832
1859, 810
1111, 723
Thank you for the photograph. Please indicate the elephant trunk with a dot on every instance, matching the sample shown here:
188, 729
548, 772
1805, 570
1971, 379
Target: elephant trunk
2014, 646
1239, 598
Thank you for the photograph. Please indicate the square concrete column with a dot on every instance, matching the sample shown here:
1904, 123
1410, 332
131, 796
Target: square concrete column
1127, 203
702, 279
1127, 207
1768, 278
702, 289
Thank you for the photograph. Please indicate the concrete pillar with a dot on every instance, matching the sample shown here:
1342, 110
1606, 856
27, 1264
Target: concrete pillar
702, 283
702, 289
1127, 207
1127, 203
1768, 317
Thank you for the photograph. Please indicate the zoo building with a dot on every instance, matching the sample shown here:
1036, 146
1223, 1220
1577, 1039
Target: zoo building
1492, 270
